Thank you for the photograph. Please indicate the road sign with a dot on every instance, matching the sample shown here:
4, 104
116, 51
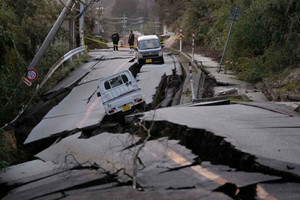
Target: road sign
32, 74
236, 11
27, 81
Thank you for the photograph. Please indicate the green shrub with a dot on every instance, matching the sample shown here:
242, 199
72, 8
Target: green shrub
252, 71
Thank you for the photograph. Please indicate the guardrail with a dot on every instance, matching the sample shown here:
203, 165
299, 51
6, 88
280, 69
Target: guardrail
64, 58
54, 67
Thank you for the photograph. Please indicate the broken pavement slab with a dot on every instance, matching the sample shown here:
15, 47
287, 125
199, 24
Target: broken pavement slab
166, 170
81, 107
126, 192
164, 164
267, 135
151, 74
26, 172
74, 76
111, 152
227, 80
58, 182
69, 114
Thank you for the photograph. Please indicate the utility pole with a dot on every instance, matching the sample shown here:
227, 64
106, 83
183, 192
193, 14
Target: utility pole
235, 13
37, 58
81, 23
72, 42
124, 21
156, 26
141, 21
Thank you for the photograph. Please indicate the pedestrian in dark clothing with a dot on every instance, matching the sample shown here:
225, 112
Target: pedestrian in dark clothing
115, 38
131, 41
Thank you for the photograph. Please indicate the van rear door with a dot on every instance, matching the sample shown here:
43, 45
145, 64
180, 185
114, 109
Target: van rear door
117, 85
118, 90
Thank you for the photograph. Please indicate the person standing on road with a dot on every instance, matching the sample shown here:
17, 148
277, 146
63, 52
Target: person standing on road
115, 38
131, 41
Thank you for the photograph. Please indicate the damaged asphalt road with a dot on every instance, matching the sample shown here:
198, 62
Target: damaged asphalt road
206, 152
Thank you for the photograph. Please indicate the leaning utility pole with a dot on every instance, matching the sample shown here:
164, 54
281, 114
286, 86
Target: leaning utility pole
37, 58
235, 13
81, 23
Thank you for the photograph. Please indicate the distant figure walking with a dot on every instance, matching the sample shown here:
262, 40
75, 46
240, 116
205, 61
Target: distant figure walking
131, 41
115, 38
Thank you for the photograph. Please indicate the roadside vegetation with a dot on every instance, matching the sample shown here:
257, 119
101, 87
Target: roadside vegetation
265, 42
24, 24
23, 27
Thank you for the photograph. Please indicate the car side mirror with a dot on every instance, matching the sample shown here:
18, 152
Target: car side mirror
162, 45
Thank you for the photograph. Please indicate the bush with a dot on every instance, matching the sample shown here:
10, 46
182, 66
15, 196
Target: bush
24, 26
95, 43
265, 40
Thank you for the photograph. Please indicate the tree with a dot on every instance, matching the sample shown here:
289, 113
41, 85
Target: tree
24, 26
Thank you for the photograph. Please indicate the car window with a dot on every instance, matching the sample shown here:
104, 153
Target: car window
149, 44
116, 81
106, 85
124, 78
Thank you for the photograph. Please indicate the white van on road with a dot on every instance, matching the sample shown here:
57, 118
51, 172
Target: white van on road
149, 49
120, 92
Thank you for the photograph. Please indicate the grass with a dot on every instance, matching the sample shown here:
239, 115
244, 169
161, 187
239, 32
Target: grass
290, 88
9, 153
63, 71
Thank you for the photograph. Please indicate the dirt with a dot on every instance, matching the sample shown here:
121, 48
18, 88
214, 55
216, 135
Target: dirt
284, 87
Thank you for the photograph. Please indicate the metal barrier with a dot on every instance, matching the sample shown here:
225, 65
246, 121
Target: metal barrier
54, 67
73, 52
64, 58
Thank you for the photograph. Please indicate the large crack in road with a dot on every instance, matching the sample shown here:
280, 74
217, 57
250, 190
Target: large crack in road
204, 144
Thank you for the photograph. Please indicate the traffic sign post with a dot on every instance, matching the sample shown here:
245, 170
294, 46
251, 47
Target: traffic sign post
32, 74
27, 81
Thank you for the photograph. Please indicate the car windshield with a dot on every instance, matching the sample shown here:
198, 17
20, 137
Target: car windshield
116, 81
149, 44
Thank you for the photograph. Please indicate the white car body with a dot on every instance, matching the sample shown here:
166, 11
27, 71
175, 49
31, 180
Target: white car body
120, 92
149, 49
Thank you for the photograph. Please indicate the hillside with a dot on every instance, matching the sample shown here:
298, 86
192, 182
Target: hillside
265, 43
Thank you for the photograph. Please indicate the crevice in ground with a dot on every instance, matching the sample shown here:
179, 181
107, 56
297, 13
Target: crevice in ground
105, 180
181, 188
215, 149
113, 58
197, 161
108, 178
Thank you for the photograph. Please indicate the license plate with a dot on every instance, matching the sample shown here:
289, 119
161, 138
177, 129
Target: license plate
126, 107
148, 60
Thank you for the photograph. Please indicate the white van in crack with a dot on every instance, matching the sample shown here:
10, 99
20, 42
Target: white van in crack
120, 93
149, 49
